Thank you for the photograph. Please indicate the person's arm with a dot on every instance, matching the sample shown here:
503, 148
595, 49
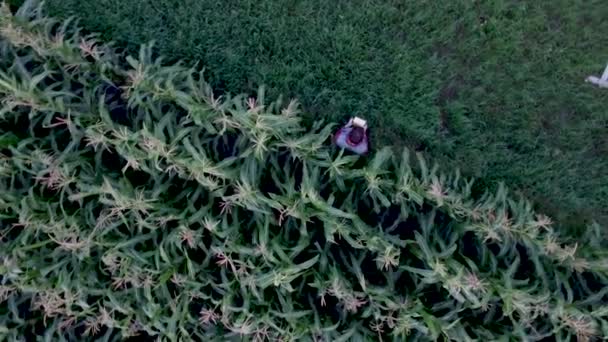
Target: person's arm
367, 141
362, 149
336, 135
349, 123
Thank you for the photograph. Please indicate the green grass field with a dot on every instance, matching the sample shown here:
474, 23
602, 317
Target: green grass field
494, 88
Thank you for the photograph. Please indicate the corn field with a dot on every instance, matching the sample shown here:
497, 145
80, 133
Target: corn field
135, 201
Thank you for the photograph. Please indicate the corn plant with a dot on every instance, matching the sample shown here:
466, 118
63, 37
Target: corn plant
135, 201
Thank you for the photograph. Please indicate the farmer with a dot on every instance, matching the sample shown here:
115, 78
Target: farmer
353, 136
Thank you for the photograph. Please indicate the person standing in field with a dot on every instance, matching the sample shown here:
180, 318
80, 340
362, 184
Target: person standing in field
353, 136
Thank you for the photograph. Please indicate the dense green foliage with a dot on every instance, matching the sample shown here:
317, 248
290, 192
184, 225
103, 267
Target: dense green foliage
494, 87
134, 201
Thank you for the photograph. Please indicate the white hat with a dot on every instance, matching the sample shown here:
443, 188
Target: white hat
357, 121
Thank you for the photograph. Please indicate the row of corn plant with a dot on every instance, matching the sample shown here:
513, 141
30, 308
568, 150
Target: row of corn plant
135, 201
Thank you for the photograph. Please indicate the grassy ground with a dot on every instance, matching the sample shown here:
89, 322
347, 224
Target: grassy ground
492, 87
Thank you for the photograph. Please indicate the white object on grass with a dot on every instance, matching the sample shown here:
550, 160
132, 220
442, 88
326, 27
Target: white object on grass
601, 82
